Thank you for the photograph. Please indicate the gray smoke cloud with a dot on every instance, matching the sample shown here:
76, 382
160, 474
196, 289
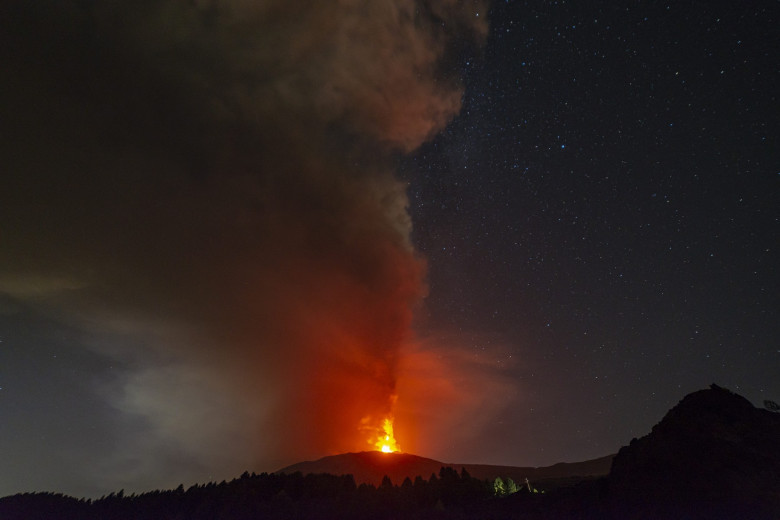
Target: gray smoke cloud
204, 189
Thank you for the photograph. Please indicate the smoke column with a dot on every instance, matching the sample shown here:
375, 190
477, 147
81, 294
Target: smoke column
205, 190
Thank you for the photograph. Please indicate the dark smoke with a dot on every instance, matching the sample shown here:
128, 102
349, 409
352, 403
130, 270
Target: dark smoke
205, 189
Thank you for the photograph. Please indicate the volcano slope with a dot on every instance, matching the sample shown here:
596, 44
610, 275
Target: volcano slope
370, 467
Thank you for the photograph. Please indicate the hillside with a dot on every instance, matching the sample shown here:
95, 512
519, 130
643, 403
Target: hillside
371, 466
714, 455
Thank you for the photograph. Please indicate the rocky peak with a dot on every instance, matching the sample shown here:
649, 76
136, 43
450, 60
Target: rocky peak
714, 453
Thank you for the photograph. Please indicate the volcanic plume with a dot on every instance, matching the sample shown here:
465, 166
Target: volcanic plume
207, 198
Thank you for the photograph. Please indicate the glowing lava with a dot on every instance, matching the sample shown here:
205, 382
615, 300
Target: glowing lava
386, 441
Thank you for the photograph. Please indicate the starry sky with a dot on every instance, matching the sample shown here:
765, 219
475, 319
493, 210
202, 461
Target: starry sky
606, 204
237, 235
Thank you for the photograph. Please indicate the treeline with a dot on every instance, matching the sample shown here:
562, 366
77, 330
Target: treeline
270, 496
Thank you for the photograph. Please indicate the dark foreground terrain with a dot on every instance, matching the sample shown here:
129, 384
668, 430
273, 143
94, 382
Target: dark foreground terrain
713, 456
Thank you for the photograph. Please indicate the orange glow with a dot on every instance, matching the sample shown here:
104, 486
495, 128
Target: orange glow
385, 441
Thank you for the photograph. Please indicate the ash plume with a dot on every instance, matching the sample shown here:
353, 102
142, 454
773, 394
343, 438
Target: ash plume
205, 190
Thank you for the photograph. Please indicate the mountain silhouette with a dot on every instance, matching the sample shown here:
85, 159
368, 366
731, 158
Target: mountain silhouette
714, 455
371, 466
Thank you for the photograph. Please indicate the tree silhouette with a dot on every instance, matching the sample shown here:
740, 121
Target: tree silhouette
305, 497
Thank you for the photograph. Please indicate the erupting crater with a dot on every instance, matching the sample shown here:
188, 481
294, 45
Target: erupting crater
385, 441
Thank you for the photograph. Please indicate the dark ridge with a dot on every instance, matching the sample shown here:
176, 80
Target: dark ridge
714, 455
371, 466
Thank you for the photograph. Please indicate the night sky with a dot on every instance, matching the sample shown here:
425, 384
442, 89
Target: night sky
237, 235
